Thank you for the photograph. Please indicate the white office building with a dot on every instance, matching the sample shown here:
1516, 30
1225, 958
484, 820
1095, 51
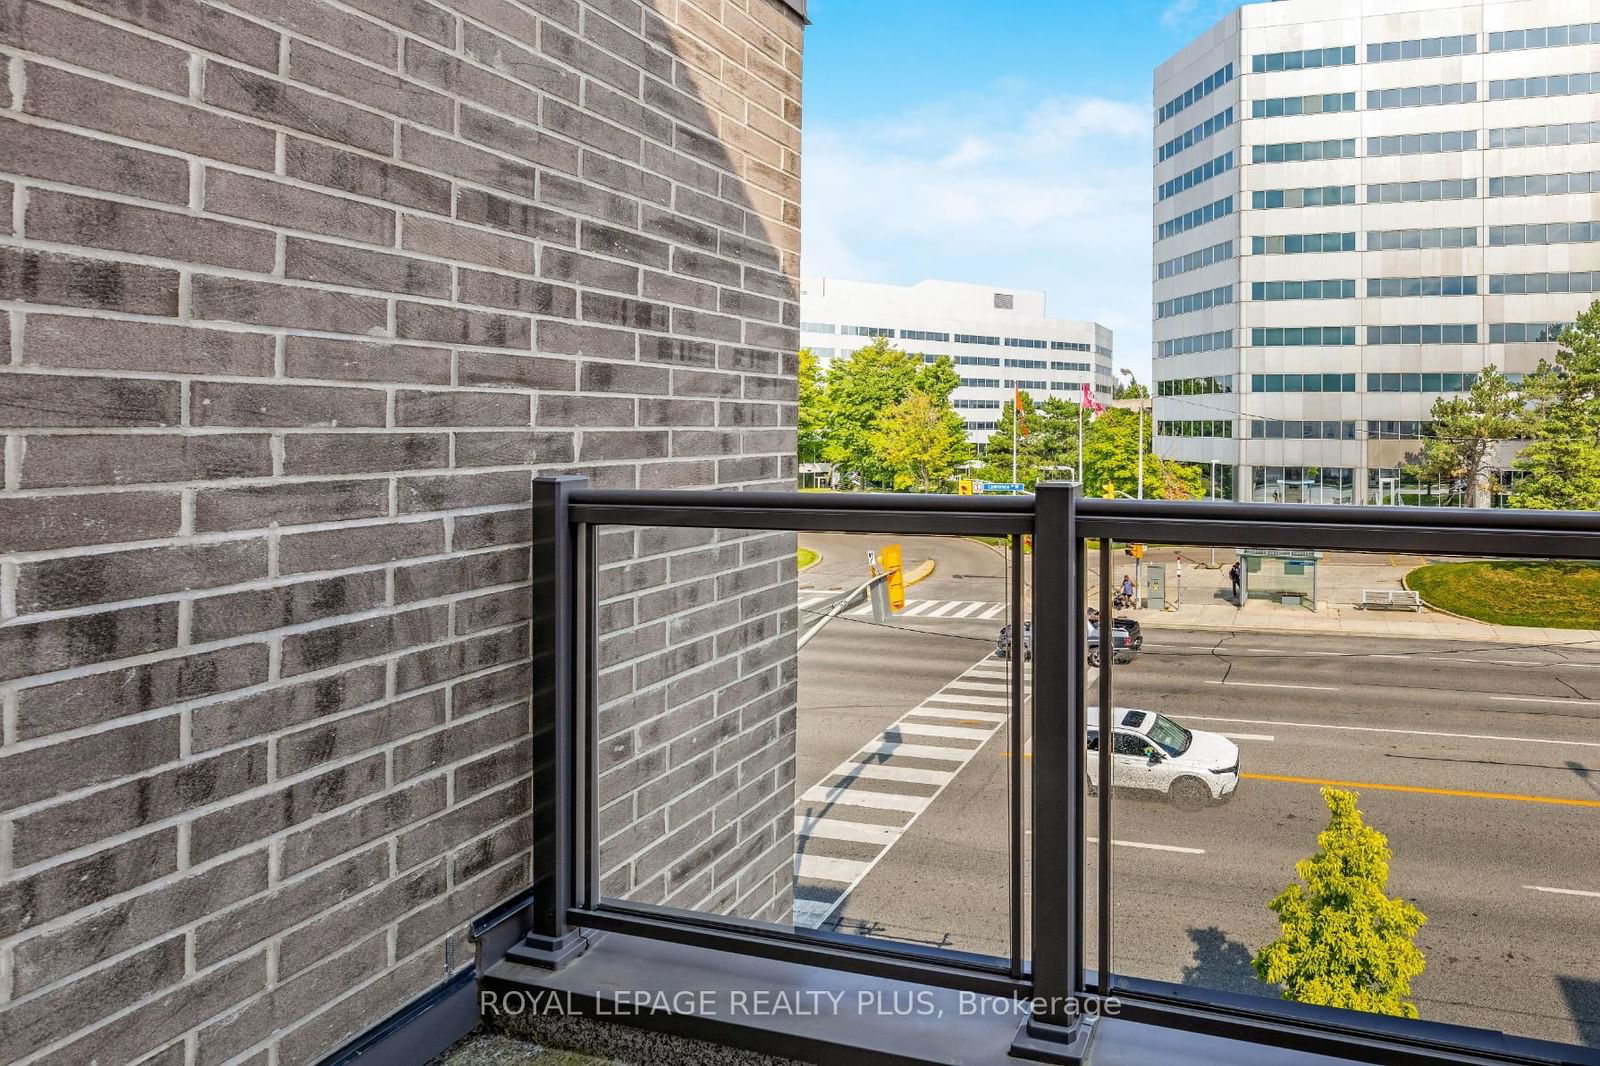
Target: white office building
1358, 206
999, 339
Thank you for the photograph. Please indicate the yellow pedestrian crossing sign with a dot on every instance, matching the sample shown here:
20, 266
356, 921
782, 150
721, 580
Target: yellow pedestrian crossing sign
889, 562
964, 488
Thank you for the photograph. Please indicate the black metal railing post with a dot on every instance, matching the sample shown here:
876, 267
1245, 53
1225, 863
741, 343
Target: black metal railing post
555, 590
1056, 1030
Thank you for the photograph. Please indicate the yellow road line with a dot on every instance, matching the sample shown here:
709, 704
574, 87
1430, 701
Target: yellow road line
1428, 791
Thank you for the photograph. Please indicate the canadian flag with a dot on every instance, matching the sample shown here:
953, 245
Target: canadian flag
1089, 401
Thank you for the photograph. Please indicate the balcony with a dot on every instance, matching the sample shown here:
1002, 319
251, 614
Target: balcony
828, 835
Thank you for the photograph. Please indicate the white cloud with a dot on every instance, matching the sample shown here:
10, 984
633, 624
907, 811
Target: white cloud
993, 188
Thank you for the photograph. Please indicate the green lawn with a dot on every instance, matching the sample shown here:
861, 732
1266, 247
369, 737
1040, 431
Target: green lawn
1561, 595
807, 557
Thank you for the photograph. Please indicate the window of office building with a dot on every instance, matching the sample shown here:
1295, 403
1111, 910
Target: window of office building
924, 335
1546, 184
1198, 217
1302, 336
1425, 48
1195, 301
1399, 192
1544, 85
1295, 484
1440, 382
817, 327
1298, 243
1335, 289
1025, 383
1182, 264
1302, 383
1398, 429
1304, 151
1025, 342
1525, 332
982, 427
1284, 429
1028, 364
1211, 385
1422, 95
1200, 174
1445, 333
1194, 428
1544, 233
976, 360
1316, 104
1542, 136
866, 331
1195, 93
1443, 286
1067, 386
975, 405
981, 383
1317, 196
1080, 367
1200, 342
1523, 284
1189, 138
973, 338
1392, 240
1545, 37
1304, 59
1423, 143
824, 353
1068, 346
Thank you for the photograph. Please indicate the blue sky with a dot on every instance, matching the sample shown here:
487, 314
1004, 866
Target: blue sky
1005, 142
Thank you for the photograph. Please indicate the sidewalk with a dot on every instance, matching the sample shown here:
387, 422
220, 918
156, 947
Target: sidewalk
1351, 621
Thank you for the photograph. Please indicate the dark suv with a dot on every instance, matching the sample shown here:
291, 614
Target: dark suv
1127, 639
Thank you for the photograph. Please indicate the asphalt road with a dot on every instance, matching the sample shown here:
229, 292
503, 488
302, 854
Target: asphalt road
1480, 762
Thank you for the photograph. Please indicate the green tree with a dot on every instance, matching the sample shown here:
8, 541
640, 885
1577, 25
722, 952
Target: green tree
1130, 389
1031, 446
1110, 451
1561, 464
812, 420
1344, 942
1466, 430
860, 388
921, 441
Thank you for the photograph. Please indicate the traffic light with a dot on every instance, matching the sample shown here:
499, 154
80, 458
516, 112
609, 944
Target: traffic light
1135, 550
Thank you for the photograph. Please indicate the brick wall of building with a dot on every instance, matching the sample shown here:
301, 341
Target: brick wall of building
296, 295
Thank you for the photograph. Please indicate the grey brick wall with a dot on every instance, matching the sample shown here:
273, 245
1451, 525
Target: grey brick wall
297, 294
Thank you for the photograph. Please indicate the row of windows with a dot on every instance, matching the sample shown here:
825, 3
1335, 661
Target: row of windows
1320, 196
971, 338
1280, 429
1542, 136
1520, 284
1447, 333
1421, 382
924, 335
1069, 346
1402, 192
1545, 37
1335, 289
1304, 151
1195, 93
1298, 243
1189, 138
1042, 386
980, 383
1316, 104
1423, 143
1195, 301
1401, 429
1525, 332
972, 360
976, 405
1426, 48
1028, 364
982, 427
1442, 286
866, 331
1305, 59
1202, 173
1217, 253
1213, 385
1082, 367
1198, 217
1545, 233
1025, 342
1203, 428
818, 327
1200, 342
1393, 240
1303, 336
1302, 383
1546, 184
1422, 95
1069, 386
1546, 85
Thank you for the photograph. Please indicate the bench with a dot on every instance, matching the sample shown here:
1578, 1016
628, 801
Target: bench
1386, 599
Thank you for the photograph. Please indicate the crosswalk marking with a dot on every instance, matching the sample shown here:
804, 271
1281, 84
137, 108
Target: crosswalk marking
971, 610
822, 883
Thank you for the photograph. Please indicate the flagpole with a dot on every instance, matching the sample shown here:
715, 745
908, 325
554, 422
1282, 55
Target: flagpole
1080, 445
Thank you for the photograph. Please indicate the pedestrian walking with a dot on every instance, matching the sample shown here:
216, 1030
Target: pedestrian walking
1233, 576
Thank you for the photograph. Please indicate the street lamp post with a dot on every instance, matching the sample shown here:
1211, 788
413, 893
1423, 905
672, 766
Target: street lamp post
1143, 407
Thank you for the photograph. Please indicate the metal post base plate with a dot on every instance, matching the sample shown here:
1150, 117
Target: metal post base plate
1044, 1042
552, 953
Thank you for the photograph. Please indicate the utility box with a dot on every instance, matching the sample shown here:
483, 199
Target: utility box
1155, 586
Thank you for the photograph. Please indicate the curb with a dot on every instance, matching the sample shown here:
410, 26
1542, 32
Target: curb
1405, 583
923, 571
815, 562
1491, 638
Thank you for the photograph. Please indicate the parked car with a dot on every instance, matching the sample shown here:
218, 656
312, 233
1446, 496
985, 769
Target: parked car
1002, 643
1152, 753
